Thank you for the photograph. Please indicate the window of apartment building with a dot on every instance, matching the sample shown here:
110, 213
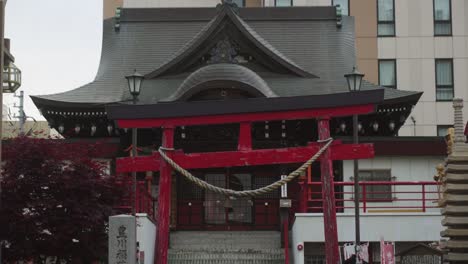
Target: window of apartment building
344, 4
442, 18
444, 79
248, 3
387, 73
376, 193
239, 3
283, 2
386, 18
442, 130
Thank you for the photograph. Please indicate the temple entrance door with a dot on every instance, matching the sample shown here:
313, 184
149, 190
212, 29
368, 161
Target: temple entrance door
227, 212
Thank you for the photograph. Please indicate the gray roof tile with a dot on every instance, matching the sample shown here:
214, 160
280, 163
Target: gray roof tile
317, 46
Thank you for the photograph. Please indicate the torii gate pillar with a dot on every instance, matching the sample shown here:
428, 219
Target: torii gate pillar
165, 177
328, 197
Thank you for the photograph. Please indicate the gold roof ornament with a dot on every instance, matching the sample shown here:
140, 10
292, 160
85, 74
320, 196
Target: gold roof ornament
450, 139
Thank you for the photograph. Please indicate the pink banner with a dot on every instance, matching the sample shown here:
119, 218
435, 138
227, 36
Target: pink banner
387, 252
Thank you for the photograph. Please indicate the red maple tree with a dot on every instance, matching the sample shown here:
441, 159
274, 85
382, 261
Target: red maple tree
55, 201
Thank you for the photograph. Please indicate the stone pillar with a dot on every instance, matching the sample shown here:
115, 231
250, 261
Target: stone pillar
122, 239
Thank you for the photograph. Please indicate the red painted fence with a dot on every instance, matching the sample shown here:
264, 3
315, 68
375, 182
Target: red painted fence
144, 202
377, 196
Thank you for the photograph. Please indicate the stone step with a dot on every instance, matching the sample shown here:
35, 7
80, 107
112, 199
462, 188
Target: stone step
456, 188
457, 158
455, 210
197, 240
451, 232
226, 247
208, 257
457, 168
456, 177
456, 198
458, 257
455, 221
457, 244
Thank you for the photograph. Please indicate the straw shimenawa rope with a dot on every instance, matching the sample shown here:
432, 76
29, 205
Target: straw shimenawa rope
247, 193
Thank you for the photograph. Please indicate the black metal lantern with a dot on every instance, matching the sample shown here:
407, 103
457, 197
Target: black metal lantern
11, 78
134, 83
354, 80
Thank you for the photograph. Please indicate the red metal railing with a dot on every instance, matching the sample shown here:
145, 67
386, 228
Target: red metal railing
376, 196
144, 202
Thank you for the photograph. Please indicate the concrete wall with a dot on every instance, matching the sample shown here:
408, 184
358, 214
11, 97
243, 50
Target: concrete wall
146, 236
393, 227
402, 169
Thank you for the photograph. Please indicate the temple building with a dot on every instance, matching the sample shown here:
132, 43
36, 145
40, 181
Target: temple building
240, 97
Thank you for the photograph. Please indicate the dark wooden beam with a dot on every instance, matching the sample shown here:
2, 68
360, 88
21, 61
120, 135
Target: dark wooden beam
245, 117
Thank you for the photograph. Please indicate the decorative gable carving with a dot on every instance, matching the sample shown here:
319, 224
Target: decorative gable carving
228, 39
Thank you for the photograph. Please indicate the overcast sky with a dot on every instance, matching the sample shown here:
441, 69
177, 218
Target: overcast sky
56, 44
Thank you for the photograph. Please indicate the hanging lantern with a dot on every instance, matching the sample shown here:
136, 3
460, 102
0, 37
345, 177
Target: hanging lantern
93, 130
182, 134
343, 126
359, 126
375, 126
61, 128
77, 129
267, 130
110, 128
283, 129
391, 125
11, 78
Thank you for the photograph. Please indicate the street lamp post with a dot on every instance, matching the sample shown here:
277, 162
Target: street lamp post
354, 81
134, 86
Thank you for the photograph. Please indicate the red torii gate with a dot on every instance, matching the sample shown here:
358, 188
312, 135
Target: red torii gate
170, 115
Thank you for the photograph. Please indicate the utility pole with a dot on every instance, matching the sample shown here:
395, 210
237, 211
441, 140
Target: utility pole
22, 115
2, 51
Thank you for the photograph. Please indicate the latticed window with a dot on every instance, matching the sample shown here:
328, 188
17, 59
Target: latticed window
376, 193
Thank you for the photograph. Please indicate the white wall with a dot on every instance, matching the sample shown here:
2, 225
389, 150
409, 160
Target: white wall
146, 236
393, 227
403, 168
416, 48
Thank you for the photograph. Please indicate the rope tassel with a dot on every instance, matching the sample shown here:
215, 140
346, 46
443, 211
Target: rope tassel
247, 193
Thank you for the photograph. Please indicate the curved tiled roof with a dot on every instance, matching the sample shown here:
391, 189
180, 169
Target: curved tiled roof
226, 13
248, 79
302, 34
